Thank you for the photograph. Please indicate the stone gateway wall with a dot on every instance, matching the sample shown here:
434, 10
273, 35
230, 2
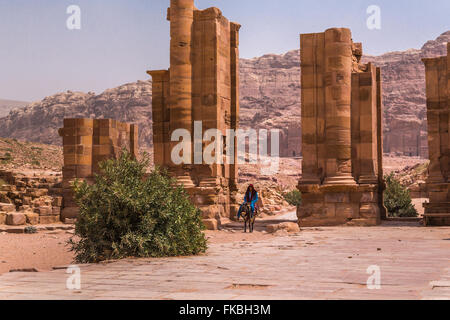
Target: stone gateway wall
202, 85
87, 142
437, 212
342, 135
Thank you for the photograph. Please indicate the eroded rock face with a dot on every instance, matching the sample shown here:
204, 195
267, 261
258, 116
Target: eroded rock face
40, 121
404, 96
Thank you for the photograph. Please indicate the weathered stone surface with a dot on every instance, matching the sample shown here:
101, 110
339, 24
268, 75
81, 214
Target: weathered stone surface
32, 218
290, 227
48, 219
86, 143
2, 218
210, 224
15, 219
437, 212
342, 135
7, 207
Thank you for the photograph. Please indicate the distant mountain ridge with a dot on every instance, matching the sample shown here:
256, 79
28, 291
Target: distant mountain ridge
7, 105
269, 96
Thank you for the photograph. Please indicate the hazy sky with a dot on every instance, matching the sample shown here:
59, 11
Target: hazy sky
120, 39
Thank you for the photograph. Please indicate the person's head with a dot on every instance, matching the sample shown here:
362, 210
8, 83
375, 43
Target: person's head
251, 188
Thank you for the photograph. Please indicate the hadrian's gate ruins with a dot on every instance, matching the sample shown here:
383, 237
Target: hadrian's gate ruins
341, 126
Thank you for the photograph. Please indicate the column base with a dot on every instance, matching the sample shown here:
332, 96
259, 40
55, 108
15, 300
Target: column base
437, 212
340, 180
333, 205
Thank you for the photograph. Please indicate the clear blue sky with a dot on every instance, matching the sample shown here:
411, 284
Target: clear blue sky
121, 39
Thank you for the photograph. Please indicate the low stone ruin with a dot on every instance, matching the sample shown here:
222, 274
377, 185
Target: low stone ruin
30, 200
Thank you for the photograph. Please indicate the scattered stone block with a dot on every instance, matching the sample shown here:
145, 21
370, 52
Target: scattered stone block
57, 202
44, 211
7, 207
48, 219
15, 219
2, 218
211, 224
32, 218
289, 227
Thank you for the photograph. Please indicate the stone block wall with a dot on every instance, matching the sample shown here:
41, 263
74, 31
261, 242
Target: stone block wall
30, 200
87, 142
202, 85
437, 211
342, 179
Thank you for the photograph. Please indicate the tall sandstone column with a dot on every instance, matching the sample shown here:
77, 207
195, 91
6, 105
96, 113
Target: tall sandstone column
180, 100
338, 75
437, 211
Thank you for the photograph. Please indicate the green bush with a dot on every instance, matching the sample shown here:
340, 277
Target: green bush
397, 199
294, 198
127, 213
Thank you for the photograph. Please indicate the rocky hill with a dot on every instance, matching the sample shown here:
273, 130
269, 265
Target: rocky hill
7, 105
270, 98
40, 121
26, 156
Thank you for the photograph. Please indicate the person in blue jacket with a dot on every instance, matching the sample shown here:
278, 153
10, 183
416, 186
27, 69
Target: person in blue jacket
251, 197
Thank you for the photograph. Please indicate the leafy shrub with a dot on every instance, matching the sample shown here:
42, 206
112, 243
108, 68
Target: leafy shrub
397, 199
294, 198
126, 213
30, 230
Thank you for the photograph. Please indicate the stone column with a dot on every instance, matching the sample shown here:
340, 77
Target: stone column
338, 69
380, 113
313, 106
234, 96
235, 107
161, 116
447, 150
365, 126
77, 137
435, 105
180, 101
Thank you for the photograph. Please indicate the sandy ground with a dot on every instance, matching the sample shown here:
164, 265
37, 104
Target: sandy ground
46, 250
408, 262
41, 251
